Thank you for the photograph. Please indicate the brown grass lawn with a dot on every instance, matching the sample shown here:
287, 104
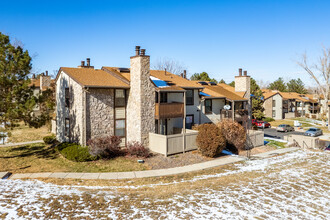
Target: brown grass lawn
24, 133
40, 158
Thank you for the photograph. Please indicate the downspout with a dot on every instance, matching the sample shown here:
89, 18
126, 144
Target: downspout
184, 122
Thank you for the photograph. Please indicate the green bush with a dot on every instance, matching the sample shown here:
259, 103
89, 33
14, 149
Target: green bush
269, 119
50, 139
75, 152
209, 140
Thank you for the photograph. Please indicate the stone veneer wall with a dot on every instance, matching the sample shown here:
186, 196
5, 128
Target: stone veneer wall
75, 113
141, 101
45, 82
100, 113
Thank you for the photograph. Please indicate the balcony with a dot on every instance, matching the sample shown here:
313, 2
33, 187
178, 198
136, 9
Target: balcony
314, 108
169, 110
240, 115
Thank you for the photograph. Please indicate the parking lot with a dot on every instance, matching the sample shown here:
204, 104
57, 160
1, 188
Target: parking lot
272, 133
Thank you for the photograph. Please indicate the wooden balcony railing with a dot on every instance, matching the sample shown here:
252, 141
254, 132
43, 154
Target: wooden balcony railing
169, 110
240, 115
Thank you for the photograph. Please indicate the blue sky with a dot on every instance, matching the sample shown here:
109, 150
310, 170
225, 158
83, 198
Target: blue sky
264, 37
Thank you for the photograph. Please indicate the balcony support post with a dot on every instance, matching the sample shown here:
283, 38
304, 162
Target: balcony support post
184, 122
159, 112
233, 110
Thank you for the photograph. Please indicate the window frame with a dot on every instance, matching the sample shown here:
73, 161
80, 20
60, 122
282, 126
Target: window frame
273, 113
67, 97
67, 128
192, 97
114, 112
205, 107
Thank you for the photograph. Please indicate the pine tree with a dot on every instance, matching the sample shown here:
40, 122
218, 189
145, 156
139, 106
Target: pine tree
204, 76
279, 85
16, 95
257, 100
296, 85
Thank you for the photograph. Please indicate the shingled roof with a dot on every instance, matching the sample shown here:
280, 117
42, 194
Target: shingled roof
171, 79
89, 77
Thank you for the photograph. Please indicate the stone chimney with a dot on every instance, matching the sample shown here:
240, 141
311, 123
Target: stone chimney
141, 99
243, 84
45, 81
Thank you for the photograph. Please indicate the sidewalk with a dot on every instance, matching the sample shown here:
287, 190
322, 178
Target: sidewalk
21, 143
151, 173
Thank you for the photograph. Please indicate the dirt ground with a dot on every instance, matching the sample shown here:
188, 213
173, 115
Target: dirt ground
161, 162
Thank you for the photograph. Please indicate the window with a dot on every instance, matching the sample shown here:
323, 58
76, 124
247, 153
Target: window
120, 128
189, 121
67, 127
119, 98
274, 103
208, 106
274, 114
67, 97
189, 97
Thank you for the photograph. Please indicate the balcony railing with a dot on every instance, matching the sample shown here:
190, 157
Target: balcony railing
169, 110
240, 115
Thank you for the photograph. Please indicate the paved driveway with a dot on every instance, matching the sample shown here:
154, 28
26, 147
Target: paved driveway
272, 133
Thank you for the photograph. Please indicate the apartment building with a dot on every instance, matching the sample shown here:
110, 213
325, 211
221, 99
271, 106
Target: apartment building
134, 102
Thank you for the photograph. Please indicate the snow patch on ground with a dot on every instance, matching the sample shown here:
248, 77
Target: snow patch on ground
291, 186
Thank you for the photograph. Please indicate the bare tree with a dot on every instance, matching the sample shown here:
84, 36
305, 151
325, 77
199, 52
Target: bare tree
320, 72
170, 65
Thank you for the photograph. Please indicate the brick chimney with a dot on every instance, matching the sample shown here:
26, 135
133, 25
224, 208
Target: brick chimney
185, 74
141, 99
45, 81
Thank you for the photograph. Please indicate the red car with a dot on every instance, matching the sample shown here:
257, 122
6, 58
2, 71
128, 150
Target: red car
261, 124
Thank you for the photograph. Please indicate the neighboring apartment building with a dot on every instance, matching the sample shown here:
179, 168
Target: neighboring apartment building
215, 97
132, 102
281, 105
41, 83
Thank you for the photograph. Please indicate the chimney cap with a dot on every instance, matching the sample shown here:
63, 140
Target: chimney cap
137, 50
240, 71
245, 73
143, 52
82, 63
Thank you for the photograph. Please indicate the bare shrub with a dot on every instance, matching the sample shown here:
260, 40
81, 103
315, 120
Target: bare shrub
209, 140
234, 133
105, 147
136, 149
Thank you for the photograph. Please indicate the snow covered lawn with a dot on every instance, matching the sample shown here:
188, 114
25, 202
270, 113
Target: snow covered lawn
291, 186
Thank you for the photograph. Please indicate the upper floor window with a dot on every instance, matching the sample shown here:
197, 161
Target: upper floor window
190, 97
67, 97
274, 103
119, 97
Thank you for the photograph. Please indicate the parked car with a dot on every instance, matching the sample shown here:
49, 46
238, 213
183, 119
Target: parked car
313, 132
284, 128
254, 121
263, 124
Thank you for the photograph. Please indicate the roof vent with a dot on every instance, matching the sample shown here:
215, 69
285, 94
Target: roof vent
212, 83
